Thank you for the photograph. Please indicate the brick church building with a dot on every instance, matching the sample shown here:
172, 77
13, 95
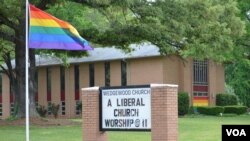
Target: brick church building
112, 67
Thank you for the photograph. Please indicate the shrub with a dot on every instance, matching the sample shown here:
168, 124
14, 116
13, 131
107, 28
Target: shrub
55, 109
212, 110
79, 106
41, 110
226, 99
183, 103
191, 110
235, 109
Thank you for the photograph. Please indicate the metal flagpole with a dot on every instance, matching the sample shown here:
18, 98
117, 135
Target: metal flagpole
27, 70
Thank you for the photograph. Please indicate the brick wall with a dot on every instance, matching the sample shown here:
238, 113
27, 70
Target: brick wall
164, 114
55, 85
90, 115
115, 73
145, 71
5, 96
42, 86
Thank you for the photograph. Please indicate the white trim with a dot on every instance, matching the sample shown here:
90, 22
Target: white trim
164, 85
90, 89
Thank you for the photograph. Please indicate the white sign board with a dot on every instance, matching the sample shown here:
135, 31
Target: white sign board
126, 108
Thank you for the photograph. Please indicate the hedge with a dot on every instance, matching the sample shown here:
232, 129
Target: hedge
235, 109
226, 99
211, 110
183, 103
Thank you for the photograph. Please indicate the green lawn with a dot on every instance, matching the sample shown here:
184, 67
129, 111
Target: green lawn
191, 128
206, 128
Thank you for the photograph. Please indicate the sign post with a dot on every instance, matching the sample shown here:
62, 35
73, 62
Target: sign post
125, 108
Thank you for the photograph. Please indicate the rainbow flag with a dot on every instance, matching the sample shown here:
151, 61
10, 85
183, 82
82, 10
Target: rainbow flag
200, 101
48, 32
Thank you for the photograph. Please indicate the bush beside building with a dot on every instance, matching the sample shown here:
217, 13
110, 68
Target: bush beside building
183, 103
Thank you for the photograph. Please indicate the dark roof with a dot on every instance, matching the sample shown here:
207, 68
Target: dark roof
102, 54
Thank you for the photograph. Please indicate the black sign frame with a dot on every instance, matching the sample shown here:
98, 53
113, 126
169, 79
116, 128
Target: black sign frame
101, 112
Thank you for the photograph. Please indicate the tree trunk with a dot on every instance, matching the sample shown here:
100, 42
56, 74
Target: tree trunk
20, 78
20, 81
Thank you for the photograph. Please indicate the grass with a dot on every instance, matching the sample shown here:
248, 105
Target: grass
191, 128
206, 128
59, 133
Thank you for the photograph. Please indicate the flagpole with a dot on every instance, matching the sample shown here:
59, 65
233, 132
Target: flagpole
27, 70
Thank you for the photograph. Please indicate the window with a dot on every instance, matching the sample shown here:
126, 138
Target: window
63, 107
48, 79
200, 72
76, 76
1, 109
49, 107
12, 108
200, 83
124, 73
12, 98
49, 89
200, 94
91, 75
36, 87
62, 79
107, 74
48, 84
76, 73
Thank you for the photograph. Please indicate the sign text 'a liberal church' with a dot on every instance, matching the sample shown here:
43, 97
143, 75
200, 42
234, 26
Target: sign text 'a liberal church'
125, 108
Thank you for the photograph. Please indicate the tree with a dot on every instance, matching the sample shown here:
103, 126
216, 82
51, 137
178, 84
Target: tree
12, 21
237, 71
237, 76
200, 29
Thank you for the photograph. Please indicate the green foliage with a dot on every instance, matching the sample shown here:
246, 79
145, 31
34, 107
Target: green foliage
79, 106
235, 109
41, 110
203, 29
11, 118
212, 34
55, 109
183, 103
211, 110
237, 72
229, 89
237, 76
16, 108
191, 110
226, 99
